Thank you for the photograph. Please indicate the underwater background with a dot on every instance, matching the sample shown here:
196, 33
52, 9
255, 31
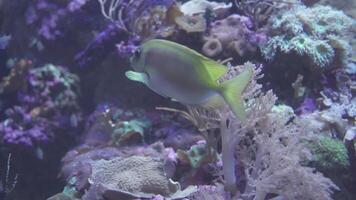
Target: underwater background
73, 126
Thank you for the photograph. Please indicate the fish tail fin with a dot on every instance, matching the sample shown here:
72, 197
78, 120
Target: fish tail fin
232, 89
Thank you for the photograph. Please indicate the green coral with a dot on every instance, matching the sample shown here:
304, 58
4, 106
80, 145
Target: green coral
124, 130
69, 192
321, 37
198, 155
329, 154
58, 83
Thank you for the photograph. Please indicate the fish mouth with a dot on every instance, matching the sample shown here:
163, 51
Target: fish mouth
134, 66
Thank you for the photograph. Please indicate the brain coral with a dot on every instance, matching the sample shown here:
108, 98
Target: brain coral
321, 38
133, 177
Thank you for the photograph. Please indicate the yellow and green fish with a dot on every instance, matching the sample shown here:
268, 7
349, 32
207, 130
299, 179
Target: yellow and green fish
175, 71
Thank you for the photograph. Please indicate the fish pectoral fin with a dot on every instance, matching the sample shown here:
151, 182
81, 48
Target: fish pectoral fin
137, 76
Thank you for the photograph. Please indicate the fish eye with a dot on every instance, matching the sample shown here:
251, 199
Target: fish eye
137, 53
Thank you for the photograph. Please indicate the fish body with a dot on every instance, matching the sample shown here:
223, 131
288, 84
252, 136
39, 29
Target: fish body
175, 71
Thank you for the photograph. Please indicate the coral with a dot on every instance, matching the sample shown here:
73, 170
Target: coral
75, 5
69, 193
307, 106
128, 48
194, 7
197, 155
336, 120
132, 175
53, 91
99, 125
177, 137
40, 24
321, 38
49, 16
48, 102
209, 192
191, 24
330, 154
109, 124
16, 79
146, 19
102, 44
212, 47
281, 150
270, 145
348, 6
60, 196
232, 36
126, 178
21, 129
125, 130
260, 11
78, 163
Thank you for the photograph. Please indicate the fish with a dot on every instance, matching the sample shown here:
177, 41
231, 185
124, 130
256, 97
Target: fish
175, 71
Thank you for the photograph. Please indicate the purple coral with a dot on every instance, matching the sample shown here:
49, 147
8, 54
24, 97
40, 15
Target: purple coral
307, 106
75, 5
49, 16
20, 128
49, 102
126, 49
47, 25
53, 91
101, 46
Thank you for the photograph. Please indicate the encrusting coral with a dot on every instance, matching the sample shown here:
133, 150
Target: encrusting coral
321, 38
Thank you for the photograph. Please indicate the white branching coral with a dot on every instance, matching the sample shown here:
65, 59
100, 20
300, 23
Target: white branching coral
270, 145
273, 157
